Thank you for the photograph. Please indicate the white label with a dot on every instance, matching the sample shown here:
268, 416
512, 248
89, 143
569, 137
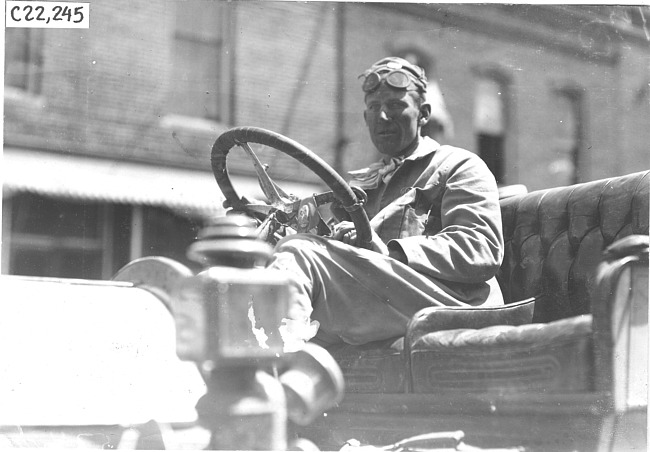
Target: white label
27, 14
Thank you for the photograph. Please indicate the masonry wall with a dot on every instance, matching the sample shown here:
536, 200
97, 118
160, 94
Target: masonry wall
631, 149
534, 73
286, 74
106, 89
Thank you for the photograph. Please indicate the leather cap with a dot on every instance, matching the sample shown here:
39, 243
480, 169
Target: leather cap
392, 63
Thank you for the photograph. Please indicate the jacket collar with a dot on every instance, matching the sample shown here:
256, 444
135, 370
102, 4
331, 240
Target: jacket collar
426, 146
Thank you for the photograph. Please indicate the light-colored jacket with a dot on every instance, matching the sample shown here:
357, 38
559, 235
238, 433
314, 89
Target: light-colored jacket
441, 207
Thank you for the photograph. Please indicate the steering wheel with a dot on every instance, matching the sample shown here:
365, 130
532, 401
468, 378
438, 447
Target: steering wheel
289, 208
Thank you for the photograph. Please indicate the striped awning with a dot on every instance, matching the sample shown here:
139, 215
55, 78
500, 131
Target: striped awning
79, 177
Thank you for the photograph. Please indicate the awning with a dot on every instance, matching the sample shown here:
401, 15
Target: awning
78, 177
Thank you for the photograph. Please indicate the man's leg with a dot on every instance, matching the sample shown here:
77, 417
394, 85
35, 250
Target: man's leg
357, 295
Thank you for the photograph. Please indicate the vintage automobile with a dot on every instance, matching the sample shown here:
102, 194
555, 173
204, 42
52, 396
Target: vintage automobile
563, 365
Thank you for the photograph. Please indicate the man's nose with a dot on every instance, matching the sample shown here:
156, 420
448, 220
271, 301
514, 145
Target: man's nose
383, 115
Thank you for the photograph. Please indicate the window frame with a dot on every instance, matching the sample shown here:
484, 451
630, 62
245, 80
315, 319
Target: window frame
202, 42
575, 95
497, 160
32, 60
15, 241
123, 233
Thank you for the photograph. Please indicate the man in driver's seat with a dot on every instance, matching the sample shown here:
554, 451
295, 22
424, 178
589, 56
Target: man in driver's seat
436, 222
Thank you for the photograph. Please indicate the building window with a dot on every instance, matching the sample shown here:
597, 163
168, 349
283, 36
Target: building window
490, 124
197, 60
567, 137
54, 237
57, 238
24, 58
440, 125
168, 234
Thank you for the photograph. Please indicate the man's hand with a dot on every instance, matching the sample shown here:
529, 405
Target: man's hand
345, 232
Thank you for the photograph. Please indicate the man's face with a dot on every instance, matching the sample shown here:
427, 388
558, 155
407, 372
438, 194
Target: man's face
392, 116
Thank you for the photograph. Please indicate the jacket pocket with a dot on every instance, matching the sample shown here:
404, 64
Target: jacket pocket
407, 216
413, 222
422, 215
415, 213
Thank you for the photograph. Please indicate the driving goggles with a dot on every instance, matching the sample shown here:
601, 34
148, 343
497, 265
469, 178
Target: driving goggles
397, 78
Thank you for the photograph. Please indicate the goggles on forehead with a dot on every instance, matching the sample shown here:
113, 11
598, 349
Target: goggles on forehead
397, 78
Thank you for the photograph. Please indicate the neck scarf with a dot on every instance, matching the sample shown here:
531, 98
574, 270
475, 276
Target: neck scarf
370, 177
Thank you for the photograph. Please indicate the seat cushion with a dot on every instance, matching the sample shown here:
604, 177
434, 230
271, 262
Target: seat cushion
381, 367
557, 356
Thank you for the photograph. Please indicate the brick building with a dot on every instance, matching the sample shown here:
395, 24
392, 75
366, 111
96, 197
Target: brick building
108, 130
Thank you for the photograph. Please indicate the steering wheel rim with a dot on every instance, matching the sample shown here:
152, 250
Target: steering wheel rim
332, 179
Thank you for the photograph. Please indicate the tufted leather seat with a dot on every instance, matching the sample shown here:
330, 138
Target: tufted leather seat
555, 238
554, 243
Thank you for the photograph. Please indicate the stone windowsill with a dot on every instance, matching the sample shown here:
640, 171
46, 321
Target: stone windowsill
25, 98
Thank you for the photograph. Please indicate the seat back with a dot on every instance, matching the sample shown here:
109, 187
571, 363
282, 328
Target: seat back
554, 240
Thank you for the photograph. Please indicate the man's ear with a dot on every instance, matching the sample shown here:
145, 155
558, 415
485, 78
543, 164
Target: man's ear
364, 117
425, 113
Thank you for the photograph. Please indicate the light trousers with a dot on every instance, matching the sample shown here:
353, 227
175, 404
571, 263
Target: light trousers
359, 296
